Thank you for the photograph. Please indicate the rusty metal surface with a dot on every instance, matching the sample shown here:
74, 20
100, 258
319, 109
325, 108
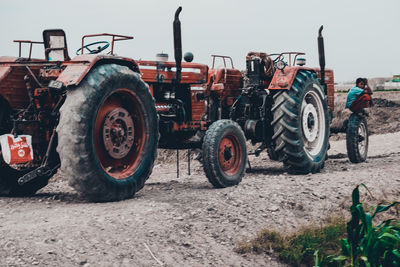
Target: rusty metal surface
79, 67
289, 74
13, 70
4, 71
5, 60
330, 84
152, 71
194, 125
198, 107
12, 85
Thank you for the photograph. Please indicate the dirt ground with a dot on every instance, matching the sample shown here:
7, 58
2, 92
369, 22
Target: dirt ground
184, 221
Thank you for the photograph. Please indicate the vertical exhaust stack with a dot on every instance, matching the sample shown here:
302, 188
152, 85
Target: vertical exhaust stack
178, 44
321, 53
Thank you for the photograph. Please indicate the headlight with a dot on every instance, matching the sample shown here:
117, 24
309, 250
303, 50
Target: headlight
301, 61
280, 65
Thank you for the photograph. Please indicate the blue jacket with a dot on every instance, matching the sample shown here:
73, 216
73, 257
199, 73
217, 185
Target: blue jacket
352, 95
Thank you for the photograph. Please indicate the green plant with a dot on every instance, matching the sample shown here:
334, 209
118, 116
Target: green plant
366, 244
297, 249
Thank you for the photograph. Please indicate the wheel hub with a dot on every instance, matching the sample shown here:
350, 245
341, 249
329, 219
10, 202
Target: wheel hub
118, 133
310, 122
227, 154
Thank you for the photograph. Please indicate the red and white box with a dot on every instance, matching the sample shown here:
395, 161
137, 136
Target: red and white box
16, 149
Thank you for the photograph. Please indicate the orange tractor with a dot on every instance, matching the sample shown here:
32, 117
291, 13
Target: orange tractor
284, 108
100, 117
91, 115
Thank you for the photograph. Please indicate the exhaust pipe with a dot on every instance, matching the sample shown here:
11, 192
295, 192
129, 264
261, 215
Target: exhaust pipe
321, 53
178, 45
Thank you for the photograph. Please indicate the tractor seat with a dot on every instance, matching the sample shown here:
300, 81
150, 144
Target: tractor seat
55, 45
231, 78
224, 75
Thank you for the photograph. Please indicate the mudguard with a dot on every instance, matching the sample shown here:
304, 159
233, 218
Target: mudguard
77, 69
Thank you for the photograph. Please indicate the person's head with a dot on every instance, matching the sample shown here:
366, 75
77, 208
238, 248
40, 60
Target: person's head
360, 83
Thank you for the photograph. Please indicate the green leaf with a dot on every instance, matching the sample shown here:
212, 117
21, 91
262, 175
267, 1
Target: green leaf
389, 235
355, 196
340, 258
396, 253
363, 185
365, 260
383, 208
345, 246
316, 259
368, 223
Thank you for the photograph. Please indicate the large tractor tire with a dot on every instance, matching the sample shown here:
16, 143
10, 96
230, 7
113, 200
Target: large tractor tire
272, 154
9, 176
357, 138
108, 134
224, 153
301, 125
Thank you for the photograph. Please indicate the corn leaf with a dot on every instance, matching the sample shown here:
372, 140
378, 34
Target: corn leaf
340, 258
344, 245
396, 254
383, 208
356, 196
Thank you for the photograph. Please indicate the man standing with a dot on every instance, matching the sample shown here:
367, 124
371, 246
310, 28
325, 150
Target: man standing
359, 96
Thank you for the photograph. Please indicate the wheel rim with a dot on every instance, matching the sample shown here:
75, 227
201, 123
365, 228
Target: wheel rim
362, 139
230, 154
119, 133
313, 123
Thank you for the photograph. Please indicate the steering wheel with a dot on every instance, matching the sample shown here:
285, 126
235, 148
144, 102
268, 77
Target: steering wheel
279, 57
102, 45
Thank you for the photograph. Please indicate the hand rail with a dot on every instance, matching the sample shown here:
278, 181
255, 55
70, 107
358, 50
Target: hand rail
20, 42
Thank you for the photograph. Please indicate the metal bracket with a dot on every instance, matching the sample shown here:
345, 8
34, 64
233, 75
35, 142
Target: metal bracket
44, 171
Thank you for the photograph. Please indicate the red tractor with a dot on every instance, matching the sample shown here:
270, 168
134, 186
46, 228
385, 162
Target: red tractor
91, 115
194, 116
100, 117
283, 107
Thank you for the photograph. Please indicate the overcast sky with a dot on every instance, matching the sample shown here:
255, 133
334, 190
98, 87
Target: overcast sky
362, 37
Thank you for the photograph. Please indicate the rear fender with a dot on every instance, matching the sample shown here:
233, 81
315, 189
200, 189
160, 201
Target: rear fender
79, 67
283, 80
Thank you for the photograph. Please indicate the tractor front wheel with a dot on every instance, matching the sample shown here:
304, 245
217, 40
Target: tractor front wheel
224, 153
108, 134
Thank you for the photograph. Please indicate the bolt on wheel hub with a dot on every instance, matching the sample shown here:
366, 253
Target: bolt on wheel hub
118, 133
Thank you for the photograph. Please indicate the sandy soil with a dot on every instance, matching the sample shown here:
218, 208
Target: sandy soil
184, 221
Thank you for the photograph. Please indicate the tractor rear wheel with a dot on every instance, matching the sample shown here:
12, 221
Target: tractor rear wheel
108, 134
301, 125
272, 154
9, 176
224, 153
357, 138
